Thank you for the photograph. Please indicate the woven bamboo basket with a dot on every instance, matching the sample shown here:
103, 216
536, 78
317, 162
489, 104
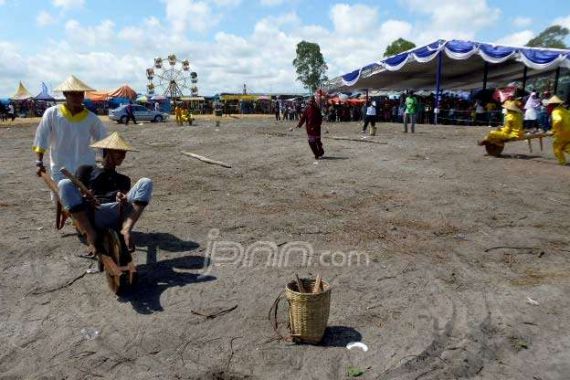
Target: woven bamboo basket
308, 312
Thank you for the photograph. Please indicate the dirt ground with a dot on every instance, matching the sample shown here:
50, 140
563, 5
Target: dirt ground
451, 246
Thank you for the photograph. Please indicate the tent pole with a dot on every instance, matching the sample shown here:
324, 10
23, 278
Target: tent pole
366, 96
485, 73
437, 87
556, 78
524, 78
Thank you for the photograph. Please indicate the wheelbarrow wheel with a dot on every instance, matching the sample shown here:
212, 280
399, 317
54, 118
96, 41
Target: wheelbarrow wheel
494, 150
115, 247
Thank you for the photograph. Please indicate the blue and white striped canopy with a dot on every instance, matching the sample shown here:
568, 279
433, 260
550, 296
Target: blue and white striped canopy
462, 66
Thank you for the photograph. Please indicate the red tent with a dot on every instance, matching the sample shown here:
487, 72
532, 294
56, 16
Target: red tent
123, 92
97, 96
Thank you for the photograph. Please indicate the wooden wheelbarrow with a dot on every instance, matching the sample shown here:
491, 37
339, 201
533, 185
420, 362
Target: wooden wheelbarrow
495, 149
113, 255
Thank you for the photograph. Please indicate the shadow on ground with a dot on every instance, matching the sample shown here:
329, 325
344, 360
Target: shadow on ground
155, 277
340, 336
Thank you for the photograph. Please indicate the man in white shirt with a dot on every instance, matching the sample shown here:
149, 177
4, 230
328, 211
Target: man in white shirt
11, 112
370, 118
67, 130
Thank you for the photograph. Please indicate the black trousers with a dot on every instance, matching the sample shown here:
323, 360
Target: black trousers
369, 119
130, 117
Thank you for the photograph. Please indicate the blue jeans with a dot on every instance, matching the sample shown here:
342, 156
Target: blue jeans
107, 215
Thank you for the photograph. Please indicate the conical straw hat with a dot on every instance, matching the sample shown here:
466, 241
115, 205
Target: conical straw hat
113, 142
554, 100
511, 106
73, 84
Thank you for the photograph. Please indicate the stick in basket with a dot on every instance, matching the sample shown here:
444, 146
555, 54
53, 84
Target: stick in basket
300, 286
318, 284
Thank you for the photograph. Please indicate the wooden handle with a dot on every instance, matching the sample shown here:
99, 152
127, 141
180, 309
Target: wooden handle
318, 284
50, 182
299, 284
77, 183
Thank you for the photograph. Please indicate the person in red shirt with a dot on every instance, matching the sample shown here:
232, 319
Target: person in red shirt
313, 119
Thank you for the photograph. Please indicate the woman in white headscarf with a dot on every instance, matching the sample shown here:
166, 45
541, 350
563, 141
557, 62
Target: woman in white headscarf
531, 111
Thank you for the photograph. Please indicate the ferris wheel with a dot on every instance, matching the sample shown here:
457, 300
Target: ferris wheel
171, 77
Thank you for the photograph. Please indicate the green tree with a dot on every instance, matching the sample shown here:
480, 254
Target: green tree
310, 65
551, 37
398, 46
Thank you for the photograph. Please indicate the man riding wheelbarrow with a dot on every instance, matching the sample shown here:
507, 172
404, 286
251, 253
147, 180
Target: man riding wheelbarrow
102, 203
114, 204
494, 142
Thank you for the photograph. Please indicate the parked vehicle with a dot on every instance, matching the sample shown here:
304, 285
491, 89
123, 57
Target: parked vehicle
141, 113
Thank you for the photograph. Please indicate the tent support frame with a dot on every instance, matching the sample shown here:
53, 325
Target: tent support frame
556, 79
525, 71
437, 86
485, 74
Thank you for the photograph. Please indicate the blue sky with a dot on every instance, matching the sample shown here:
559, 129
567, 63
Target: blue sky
230, 42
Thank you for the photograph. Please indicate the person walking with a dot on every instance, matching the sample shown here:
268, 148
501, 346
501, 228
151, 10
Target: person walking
130, 114
11, 112
560, 128
410, 111
313, 119
370, 118
66, 130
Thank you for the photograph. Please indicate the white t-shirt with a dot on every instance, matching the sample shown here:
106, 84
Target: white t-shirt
10, 108
370, 111
68, 138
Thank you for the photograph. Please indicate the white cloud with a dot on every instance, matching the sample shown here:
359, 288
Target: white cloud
68, 4
45, 18
2, 2
448, 19
516, 39
98, 35
563, 21
391, 30
521, 22
190, 14
353, 19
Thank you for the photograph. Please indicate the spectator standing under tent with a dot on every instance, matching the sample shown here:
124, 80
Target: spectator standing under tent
370, 118
531, 107
410, 112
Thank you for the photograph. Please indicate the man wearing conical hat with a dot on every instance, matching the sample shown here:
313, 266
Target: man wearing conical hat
119, 205
560, 117
66, 130
513, 126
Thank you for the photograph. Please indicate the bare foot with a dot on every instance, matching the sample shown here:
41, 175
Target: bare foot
128, 240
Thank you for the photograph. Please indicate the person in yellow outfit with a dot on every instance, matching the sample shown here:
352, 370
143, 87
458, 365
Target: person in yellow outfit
512, 129
178, 114
560, 128
187, 116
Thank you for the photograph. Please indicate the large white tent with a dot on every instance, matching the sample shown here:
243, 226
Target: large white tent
453, 65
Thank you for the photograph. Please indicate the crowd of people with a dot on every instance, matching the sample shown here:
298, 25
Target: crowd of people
454, 110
